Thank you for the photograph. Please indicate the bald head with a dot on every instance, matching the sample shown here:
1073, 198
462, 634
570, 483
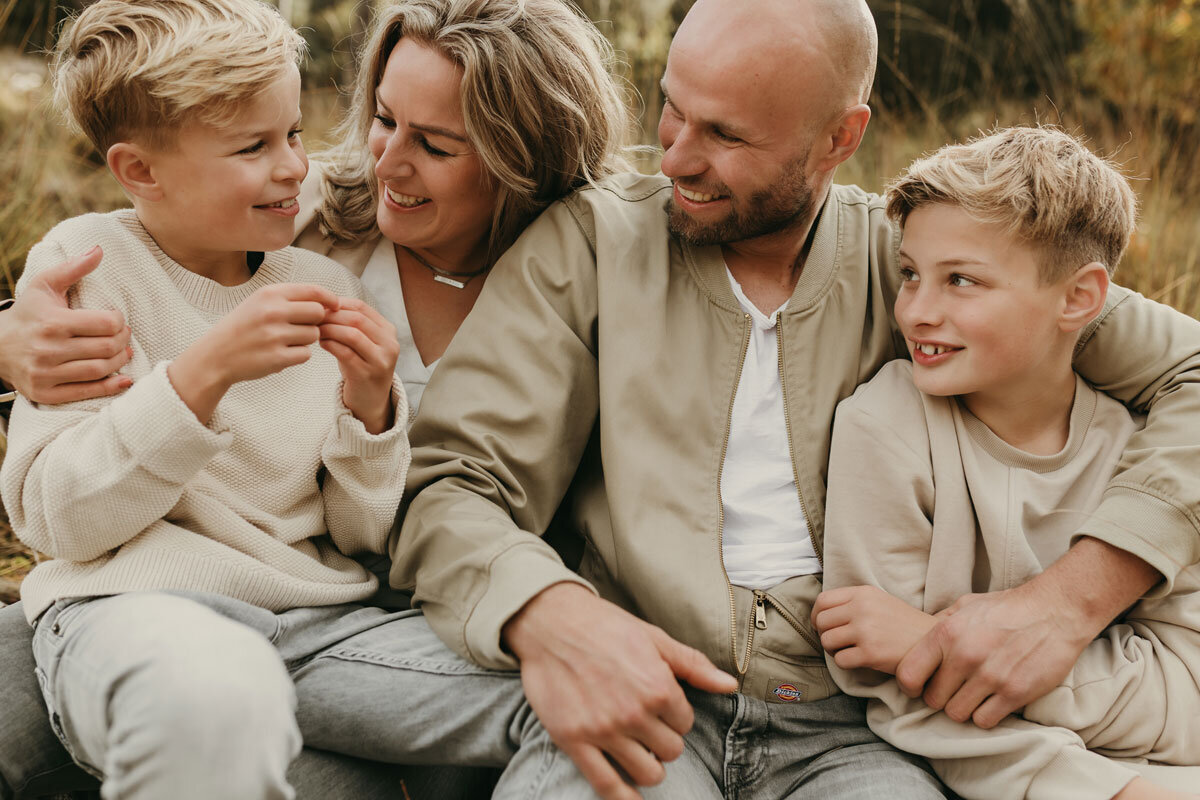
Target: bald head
825, 49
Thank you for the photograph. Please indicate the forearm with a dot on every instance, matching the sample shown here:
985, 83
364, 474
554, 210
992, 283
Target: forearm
1092, 584
364, 479
78, 483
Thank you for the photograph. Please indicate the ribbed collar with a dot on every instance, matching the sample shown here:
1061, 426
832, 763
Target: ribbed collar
201, 292
708, 264
1083, 409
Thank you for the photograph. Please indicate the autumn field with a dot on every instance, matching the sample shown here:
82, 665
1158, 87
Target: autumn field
1123, 73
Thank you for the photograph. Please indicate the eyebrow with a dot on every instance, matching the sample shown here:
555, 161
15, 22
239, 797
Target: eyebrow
950, 262
727, 127
435, 130
248, 134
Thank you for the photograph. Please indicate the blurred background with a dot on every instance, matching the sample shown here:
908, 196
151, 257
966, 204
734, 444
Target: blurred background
1125, 74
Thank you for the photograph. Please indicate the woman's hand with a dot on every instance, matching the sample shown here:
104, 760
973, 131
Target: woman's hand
366, 348
55, 354
268, 332
865, 627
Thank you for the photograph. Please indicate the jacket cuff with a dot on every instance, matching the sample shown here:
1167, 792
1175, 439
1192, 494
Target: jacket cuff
516, 576
161, 433
1081, 775
1148, 525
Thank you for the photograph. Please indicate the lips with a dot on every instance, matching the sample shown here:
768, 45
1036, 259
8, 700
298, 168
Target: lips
405, 200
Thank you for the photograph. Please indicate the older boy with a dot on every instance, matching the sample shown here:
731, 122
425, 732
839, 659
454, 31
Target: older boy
202, 523
991, 453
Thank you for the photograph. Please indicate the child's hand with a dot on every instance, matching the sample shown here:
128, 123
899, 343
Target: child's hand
365, 345
865, 627
269, 331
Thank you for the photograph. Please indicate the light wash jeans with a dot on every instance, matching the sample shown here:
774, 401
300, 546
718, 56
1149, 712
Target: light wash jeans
145, 687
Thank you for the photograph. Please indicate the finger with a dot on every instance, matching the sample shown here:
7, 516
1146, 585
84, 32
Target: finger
963, 703
602, 776
309, 291
305, 312
639, 764
297, 335
366, 309
838, 638
992, 710
74, 392
61, 277
850, 658
355, 339
354, 319
693, 666
93, 322
89, 370
944, 684
919, 664
660, 739
833, 617
84, 348
343, 354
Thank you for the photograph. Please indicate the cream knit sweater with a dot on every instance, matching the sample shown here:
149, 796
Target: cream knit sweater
928, 504
263, 504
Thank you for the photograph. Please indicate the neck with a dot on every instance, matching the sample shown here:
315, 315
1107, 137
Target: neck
1032, 414
226, 267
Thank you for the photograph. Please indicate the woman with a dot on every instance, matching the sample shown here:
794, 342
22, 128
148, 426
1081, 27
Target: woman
469, 117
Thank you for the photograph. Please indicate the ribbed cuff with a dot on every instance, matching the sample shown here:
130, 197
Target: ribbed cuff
352, 437
1140, 522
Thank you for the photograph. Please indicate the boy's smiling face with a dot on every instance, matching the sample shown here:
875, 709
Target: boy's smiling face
974, 312
228, 189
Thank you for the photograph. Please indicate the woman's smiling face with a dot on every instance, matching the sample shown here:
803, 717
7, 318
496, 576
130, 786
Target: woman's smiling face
434, 194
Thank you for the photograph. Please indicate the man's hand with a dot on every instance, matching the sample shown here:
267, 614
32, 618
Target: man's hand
865, 627
603, 682
365, 345
991, 654
55, 354
268, 332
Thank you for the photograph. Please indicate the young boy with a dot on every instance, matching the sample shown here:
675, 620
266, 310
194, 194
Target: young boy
991, 452
202, 522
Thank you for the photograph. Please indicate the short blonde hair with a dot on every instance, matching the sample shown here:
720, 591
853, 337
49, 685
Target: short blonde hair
541, 106
137, 69
1040, 183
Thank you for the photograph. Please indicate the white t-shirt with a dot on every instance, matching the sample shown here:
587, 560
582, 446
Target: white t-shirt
381, 280
766, 538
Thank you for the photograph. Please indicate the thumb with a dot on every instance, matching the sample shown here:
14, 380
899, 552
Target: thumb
691, 665
61, 277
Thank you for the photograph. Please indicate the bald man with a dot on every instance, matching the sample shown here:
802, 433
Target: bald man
666, 354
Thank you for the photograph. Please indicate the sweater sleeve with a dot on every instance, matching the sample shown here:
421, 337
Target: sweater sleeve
1148, 356
364, 477
81, 479
879, 531
501, 431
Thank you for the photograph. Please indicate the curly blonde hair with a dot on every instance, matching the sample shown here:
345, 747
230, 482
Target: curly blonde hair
137, 69
541, 105
1042, 184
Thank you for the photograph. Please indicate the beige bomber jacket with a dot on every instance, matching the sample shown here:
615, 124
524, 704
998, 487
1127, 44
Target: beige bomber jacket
602, 340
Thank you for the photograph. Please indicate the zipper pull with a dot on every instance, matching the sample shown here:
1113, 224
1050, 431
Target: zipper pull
760, 612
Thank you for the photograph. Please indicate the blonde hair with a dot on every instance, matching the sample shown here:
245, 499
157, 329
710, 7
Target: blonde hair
541, 106
1042, 184
137, 69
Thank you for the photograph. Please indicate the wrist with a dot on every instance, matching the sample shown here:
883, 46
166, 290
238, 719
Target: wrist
199, 380
522, 635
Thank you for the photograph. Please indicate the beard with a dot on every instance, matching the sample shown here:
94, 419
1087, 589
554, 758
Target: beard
764, 212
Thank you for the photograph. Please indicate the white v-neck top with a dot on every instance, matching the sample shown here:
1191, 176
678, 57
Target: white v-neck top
766, 538
381, 280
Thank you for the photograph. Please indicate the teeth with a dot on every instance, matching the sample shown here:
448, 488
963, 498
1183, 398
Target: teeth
697, 197
408, 201
282, 204
932, 349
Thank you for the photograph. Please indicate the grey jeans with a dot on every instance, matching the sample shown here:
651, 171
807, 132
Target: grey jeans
382, 686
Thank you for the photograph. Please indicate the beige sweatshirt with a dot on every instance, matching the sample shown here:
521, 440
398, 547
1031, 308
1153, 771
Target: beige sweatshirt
998, 517
263, 504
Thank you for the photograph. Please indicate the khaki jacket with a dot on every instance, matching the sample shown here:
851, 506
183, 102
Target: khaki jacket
603, 358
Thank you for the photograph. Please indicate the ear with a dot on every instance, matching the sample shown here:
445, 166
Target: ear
132, 166
844, 136
1083, 296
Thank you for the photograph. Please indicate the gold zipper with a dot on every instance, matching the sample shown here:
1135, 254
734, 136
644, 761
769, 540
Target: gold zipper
741, 667
787, 423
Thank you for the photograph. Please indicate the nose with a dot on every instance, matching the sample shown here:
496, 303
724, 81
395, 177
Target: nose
682, 151
394, 161
918, 306
292, 164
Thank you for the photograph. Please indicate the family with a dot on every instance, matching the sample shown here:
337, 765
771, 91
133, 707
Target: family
467, 446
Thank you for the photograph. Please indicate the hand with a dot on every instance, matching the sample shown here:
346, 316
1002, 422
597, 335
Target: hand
366, 348
990, 654
52, 353
269, 331
603, 682
1142, 789
865, 627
